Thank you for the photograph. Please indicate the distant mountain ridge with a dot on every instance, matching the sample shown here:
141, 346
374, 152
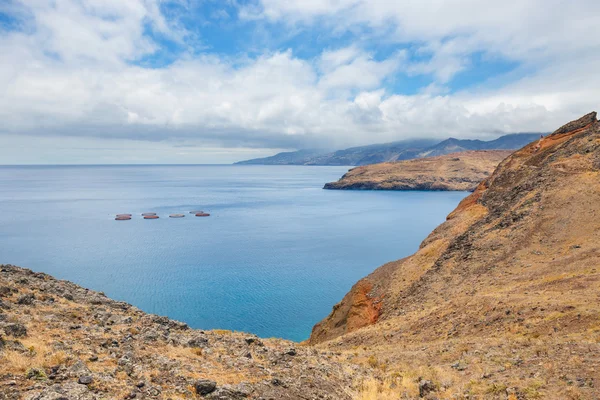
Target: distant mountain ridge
395, 151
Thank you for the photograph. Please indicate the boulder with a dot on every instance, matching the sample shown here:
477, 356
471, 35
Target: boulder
205, 386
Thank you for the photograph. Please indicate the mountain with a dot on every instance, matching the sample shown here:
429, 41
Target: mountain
396, 151
459, 171
300, 157
373, 154
501, 301
507, 142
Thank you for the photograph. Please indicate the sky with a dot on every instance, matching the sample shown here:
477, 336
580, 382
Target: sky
217, 81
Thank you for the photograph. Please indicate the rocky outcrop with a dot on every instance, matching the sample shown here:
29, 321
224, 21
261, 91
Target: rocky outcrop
61, 341
458, 172
502, 298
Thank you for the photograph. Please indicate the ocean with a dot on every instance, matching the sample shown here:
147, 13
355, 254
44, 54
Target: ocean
273, 258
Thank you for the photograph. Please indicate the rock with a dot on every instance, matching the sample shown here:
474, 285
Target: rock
26, 299
290, 352
65, 391
6, 291
205, 386
426, 387
85, 380
198, 341
228, 393
79, 369
459, 366
154, 391
15, 330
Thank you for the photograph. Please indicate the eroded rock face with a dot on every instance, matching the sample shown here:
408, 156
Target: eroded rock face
59, 340
523, 191
454, 172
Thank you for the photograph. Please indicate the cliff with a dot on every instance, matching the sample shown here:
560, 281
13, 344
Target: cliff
501, 300
460, 171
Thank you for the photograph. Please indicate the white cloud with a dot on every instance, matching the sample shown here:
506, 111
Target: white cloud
70, 74
351, 68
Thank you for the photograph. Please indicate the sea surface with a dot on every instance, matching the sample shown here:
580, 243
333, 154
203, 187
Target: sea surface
273, 258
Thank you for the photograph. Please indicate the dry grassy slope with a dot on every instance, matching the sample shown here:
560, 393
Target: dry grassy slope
54, 335
509, 284
459, 171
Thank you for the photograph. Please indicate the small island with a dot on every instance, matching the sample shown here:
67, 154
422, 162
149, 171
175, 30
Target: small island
452, 172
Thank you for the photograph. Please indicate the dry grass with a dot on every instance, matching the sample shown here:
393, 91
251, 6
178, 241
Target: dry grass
37, 355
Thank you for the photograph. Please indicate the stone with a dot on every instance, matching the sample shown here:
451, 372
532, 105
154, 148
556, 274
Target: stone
85, 380
26, 299
290, 352
426, 387
6, 291
15, 330
198, 341
205, 386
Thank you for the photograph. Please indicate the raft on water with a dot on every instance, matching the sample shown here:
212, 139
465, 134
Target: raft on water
122, 218
150, 216
123, 215
202, 214
196, 212
176, 215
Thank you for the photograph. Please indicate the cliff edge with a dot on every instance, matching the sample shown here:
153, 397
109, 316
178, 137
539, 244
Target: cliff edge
459, 171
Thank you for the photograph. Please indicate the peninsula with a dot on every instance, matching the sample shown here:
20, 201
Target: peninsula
459, 171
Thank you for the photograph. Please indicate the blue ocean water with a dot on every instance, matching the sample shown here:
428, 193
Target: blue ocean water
275, 255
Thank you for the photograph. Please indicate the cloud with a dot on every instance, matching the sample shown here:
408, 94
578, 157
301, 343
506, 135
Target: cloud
72, 68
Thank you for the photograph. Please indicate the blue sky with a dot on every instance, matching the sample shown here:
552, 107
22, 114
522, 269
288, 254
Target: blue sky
203, 81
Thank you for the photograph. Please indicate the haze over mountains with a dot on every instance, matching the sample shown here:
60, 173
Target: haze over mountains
395, 151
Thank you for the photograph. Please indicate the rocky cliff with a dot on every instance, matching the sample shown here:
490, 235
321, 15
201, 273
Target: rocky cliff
503, 299
460, 171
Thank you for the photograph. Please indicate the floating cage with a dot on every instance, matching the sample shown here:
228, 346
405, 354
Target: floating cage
197, 212
202, 214
150, 216
124, 215
122, 218
176, 215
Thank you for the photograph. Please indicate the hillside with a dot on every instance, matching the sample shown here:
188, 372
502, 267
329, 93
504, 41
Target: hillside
460, 171
502, 300
300, 157
396, 151
61, 341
